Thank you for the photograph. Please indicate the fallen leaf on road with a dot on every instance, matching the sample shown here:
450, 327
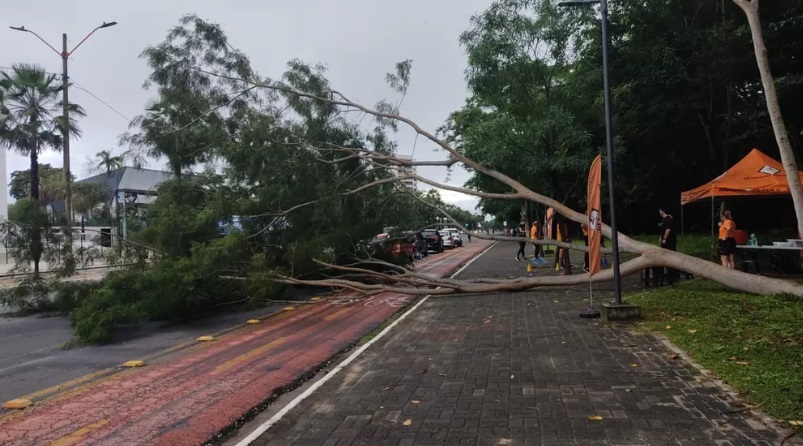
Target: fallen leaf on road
422, 371
743, 362
634, 365
512, 376
594, 417
673, 356
441, 374
415, 402
386, 388
668, 327
407, 422
486, 322
692, 331
555, 301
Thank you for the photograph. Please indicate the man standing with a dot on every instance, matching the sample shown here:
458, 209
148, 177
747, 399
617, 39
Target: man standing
521, 232
668, 240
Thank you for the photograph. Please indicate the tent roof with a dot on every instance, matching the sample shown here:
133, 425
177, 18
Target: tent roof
755, 174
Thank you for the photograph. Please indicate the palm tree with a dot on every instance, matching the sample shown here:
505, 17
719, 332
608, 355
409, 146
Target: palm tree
104, 162
31, 103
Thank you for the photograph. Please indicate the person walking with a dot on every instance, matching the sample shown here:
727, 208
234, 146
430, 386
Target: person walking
521, 232
668, 240
727, 244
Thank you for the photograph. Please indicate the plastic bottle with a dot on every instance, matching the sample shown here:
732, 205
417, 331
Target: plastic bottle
752, 241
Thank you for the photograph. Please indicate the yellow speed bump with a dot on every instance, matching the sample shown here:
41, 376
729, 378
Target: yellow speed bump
206, 338
19, 403
253, 321
136, 363
289, 308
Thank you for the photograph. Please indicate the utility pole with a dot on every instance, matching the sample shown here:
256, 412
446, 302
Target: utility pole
617, 281
65, 135
66, 130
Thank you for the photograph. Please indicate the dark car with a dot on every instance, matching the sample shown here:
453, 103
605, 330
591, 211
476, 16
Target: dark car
397, 247
433, 239
417, 238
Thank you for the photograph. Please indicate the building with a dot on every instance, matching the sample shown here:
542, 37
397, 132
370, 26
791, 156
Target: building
412, 183
134, 186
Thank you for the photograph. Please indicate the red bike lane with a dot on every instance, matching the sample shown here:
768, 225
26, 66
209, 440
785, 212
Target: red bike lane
189, 396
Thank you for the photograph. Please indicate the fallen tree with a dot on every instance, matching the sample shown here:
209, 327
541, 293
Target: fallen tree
305, 88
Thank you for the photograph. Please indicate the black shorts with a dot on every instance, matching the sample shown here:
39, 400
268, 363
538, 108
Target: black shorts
727, 246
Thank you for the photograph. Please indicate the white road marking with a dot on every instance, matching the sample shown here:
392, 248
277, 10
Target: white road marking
318, 384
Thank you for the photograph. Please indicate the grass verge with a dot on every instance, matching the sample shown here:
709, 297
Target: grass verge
753, 343
696, 245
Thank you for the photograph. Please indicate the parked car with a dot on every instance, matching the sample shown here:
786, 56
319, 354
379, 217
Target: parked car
433, 239
420, 243
457, 240
448, 241
399, 247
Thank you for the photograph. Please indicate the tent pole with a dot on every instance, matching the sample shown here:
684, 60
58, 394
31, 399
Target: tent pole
682, 231
712, 224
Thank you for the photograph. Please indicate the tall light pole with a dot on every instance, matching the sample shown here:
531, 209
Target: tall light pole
65, 55
608, 136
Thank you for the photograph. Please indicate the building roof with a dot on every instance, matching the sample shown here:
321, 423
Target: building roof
130, 179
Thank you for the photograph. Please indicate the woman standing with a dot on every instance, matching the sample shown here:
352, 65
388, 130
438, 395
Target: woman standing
727, 244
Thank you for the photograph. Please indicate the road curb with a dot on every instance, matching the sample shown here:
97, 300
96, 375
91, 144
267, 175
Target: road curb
413, 305
726, 388
94, 378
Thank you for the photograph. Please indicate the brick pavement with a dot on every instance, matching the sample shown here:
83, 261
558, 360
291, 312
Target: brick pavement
518, 369
187, 397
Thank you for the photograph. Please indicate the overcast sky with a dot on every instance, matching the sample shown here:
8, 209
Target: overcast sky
358, 40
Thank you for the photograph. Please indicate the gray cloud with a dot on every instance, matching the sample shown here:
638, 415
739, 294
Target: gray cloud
358, 40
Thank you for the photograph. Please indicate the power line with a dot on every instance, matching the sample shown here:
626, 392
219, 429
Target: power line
81, 87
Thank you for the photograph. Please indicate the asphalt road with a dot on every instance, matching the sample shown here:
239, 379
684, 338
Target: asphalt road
32, 358
189, 395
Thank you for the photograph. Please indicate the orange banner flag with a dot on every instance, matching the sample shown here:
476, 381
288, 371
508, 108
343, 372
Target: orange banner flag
594, 212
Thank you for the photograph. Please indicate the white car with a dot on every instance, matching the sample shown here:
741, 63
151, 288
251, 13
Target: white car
451, 238
457, 240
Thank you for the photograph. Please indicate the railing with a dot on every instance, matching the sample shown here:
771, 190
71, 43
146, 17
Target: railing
92, 248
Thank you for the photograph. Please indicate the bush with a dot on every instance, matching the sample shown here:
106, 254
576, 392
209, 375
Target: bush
70, 295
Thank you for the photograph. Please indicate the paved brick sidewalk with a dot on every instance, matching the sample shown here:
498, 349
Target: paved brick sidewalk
518, 369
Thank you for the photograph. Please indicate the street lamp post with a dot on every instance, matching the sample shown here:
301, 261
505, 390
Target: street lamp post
608, 136
65, 55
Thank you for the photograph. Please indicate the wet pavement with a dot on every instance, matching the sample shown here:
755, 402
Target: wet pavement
518, 369
188, 396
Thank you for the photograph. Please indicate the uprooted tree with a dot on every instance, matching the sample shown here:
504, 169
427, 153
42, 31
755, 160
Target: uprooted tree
197, 60
302, 174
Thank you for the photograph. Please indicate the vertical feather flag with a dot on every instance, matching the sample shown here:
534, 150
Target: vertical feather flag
594, 212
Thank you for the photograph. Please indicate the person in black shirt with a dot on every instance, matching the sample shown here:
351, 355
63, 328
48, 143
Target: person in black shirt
668, 240
521, 232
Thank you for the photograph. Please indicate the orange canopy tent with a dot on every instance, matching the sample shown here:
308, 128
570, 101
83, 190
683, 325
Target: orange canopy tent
755, 174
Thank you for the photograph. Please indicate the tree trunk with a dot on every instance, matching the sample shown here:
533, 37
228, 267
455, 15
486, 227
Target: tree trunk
750, 9
36, 238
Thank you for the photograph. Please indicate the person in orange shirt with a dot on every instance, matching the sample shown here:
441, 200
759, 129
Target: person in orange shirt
534, 235
727, 244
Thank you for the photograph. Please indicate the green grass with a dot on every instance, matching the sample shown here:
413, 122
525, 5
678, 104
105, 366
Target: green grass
696, 245
719, 327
